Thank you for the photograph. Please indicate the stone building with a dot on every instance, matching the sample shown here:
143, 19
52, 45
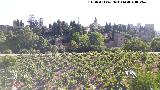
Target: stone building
118, 41
95, 26
147, 32
5, 28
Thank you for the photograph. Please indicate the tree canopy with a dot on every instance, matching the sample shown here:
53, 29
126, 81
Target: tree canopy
135, 44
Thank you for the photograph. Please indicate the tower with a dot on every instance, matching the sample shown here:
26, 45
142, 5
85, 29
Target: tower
95, 20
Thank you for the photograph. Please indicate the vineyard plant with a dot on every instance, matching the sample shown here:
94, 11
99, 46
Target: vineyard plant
113, 69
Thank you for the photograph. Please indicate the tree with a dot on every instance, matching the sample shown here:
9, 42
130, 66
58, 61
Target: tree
155, 44
2, 42
76, 37
84, 43
107, 28
57, 28
31, 21
74, 45
41, 22
128, 28
65, 28
18, 23
43, 45
75, 27
96, 38
21, 23
135, 44
87, 42
124, 29
21, 39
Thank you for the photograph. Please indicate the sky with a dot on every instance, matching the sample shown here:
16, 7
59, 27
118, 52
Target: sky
67, 10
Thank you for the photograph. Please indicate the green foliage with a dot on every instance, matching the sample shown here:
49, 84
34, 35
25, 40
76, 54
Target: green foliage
145, 81
7, 51
21, 39
155, 44
84, 41
7, 61
74, 45
105, 70
76, 37
96, 38
135, 44
43, 45
23, 51
94, 41
2, 42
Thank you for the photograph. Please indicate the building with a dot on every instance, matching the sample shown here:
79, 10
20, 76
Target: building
87, 29
95, 26
149, 27
118, 41
147, 32
5, 28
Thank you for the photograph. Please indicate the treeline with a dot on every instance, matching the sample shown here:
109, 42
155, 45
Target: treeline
61, 36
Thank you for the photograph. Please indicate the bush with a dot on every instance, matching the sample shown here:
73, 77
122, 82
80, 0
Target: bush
145, 81
155, 45
23, 51
33, 51
7, 61
8, 51
135, 44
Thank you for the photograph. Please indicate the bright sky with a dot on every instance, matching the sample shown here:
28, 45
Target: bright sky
67, 10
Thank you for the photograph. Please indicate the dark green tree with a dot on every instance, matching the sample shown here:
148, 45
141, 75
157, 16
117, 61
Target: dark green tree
107, 28
22, 39
31, 21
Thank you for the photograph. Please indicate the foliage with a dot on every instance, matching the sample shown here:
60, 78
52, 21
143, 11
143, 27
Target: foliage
39, 37
84, 43
21, 39
145, 81
2, 41
96, 38
94, 41
76, 37
23, 51
7, 51
155, 44
103, 70
135, 44
74, 45
7, 61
